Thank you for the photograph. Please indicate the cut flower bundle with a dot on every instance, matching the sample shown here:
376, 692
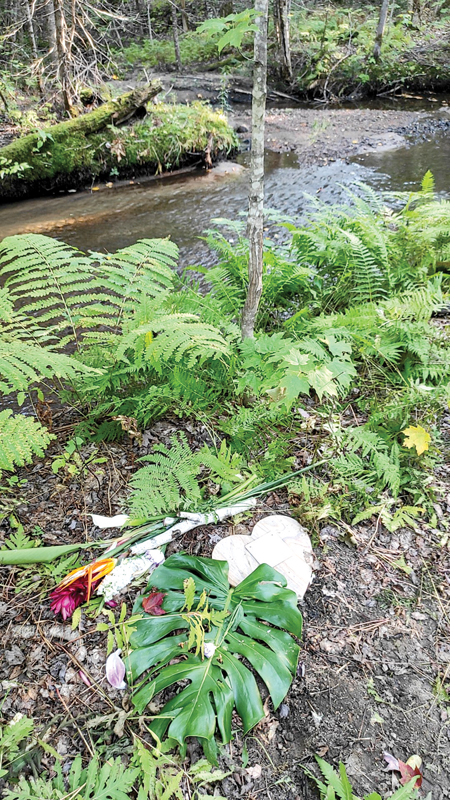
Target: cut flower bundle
137, 551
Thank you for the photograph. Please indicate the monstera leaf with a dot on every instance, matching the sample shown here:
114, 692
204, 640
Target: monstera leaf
246, 622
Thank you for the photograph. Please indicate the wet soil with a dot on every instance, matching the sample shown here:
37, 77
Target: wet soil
376, 644
320, 135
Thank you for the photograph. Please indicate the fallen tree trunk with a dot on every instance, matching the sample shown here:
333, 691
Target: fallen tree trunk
167, 138
31, 149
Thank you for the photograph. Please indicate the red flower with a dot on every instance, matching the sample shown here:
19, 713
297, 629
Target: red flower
152, 603
77, 587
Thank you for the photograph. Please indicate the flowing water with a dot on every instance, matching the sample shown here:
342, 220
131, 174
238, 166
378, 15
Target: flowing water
183, 206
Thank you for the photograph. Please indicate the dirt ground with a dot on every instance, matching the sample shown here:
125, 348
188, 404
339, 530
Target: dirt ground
319, 135
375, 650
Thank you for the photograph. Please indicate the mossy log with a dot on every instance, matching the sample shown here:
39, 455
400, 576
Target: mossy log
167, 138
113, 112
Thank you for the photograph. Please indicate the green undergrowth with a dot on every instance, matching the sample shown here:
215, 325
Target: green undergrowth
194, 48
348, 376
140, 769
332, 52
348, 361
170, 136
334, 785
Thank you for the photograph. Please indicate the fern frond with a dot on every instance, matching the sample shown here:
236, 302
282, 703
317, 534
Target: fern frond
21, 438
171, 478
181, 337
21, 365
427, 185
6, 305
368, 281
145, 268
169, 475
53, 282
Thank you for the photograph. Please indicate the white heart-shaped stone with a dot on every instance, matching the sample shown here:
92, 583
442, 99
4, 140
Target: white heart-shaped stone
276, 540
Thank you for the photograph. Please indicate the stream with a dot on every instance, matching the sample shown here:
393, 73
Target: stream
183, 206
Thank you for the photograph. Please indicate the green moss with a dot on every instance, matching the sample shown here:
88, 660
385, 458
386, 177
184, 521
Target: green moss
169, 137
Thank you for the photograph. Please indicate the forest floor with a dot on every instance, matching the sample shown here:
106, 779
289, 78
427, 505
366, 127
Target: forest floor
375, 653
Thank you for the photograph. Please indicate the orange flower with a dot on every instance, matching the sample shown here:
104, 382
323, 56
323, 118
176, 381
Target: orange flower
77, 587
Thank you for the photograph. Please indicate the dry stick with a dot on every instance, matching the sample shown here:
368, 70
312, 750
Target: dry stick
374, 536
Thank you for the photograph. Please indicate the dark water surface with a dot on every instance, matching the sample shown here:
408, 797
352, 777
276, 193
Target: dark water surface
182, 207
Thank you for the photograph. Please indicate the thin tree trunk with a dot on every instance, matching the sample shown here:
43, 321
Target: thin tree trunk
184, 19
51, 28
380, 29
281, 9
149, 20
176, 40
256, 192
34, 46
63, 56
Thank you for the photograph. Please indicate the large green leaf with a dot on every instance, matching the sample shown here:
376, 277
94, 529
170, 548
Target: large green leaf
258, 614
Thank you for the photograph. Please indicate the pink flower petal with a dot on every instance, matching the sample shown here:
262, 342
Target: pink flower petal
392, 763
84, 677
115, 670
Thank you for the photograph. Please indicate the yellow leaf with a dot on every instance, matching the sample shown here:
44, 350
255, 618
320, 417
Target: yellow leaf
417, 437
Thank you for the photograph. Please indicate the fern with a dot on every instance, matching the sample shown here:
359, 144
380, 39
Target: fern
6, 305
108, 781
181, 337
378, 465
362, 250
285, 282
22, 365
21, 438
337, 785
169, 481
145, 268
70, 293
158, 486
52, 282
368, 280
12, 737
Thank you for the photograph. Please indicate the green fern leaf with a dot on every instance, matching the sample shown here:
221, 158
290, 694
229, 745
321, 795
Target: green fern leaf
145, 268
47, 278
6, 305
21, 365
168, 478
21, 438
